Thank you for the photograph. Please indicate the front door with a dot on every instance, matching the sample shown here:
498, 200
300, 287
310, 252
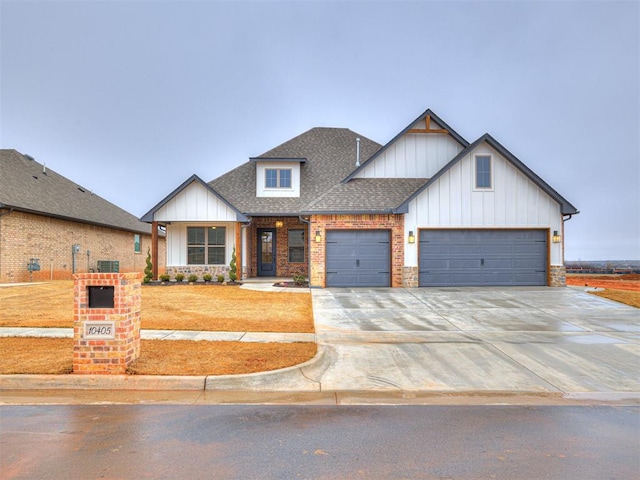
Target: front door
266, 252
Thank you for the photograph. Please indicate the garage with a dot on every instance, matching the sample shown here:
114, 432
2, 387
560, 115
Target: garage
358, 258
482, 257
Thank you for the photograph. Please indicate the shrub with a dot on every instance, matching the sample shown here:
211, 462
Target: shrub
165, 277
148, 270
299, 279
232, 266
220, 278
193, 278
179, 277
206, 277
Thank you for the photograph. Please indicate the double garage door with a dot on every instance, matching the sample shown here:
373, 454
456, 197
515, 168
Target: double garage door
483, 257
362, 258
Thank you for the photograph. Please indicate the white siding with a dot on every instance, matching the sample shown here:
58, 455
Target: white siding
414, 155
294, 191
195, 203
513, 202
177, 241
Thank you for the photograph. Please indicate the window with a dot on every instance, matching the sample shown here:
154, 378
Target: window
278, 178
136, 243
206, 245
296, 246
483, 171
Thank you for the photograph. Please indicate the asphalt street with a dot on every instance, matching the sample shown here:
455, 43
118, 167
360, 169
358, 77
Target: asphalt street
319, 442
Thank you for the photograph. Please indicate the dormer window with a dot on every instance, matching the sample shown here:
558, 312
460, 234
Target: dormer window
277, 178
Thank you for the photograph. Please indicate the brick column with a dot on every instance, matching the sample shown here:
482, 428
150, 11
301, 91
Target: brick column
106, 322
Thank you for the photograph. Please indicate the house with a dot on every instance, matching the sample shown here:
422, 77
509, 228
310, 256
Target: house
426, 209
51, 227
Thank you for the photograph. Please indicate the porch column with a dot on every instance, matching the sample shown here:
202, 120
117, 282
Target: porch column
154, 249
239, 251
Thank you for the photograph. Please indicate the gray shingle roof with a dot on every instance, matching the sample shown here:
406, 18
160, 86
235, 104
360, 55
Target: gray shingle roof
330, 156
367, 195
25, 186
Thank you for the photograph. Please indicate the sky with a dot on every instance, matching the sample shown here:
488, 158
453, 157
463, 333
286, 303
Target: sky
130, 98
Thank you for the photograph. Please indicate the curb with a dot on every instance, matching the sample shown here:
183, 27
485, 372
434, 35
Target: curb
296, 378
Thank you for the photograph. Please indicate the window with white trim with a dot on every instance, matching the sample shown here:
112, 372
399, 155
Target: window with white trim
483, 171
206, 245
277, 178
137, 248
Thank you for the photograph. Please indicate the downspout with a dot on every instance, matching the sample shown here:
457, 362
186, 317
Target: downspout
308, 222
2, 205
569, 217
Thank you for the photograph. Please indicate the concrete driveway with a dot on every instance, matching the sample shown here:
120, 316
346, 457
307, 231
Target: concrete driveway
520, 340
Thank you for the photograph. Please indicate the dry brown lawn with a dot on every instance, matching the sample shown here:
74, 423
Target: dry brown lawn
622, 296
158, 357
176, 307
179, 307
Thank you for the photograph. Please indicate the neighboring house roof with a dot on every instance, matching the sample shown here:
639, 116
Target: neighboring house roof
330, 155
367, 195
566, 207
427, 113
28, 186
148, 217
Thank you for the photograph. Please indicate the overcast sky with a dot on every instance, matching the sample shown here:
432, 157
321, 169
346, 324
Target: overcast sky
130, 98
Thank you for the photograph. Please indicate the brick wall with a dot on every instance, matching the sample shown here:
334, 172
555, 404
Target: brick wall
283, 267
24, 236
113, 355
322, 223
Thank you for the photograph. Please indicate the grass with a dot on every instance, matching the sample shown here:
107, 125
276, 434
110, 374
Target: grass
180, 307
184, 307
622, 296
54, 356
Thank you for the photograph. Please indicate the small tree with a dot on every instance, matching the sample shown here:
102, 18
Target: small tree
148, 270
232, 266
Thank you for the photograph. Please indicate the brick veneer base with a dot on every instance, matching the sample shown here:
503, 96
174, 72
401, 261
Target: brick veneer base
107, 356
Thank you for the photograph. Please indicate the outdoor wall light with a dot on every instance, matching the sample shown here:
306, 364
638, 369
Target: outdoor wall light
556, 237
412, 237
318, 236
279, 224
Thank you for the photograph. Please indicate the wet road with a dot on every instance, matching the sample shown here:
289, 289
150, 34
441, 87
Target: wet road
319, 442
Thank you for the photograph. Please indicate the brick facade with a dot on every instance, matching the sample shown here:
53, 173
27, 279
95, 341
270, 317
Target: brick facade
107, 356
283, 267
24, 236
322, 223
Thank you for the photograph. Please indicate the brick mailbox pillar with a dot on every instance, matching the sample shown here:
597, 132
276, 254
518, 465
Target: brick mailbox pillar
106, 326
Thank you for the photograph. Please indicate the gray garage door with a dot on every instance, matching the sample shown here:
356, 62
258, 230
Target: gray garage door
483, 257
358, 258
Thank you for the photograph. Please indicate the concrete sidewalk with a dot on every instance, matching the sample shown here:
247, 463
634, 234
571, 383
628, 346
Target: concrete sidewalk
414, 346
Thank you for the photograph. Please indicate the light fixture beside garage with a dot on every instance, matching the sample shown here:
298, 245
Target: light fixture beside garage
279, 223
318, 236
411, 238
556, 237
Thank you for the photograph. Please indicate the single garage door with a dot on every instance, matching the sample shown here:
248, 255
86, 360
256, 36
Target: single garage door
358, 258
483, 257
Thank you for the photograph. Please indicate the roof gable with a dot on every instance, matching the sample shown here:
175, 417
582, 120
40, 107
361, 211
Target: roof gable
182, 190
566, 207
427, 122
29, 186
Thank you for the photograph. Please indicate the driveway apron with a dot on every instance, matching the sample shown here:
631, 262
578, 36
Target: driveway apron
535, 340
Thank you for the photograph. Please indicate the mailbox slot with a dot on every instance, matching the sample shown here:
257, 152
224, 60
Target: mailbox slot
100, 297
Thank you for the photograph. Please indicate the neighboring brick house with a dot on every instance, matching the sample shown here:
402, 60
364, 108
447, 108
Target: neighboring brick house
426, 209
66, 227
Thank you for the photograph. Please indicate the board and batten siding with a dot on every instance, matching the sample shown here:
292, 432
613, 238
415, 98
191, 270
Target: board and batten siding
452, 201
195, 203
177, 241
414, 155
